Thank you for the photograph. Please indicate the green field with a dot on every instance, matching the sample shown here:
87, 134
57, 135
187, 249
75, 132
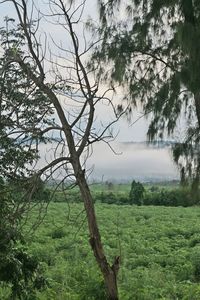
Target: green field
159, 247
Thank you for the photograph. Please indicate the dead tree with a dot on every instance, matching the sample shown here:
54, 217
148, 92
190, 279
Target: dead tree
59, 98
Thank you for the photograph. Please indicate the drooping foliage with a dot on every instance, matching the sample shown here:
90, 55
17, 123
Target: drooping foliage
153, 50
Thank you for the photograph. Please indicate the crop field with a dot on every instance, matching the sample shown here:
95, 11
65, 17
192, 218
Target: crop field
159, 249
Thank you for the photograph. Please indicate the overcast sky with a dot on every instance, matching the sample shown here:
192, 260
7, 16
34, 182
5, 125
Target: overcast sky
124, 130
131, 158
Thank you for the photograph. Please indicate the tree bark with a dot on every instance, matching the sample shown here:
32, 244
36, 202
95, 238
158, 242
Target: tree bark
35, 72
109, 272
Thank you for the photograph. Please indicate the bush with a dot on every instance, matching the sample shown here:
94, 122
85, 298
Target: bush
136, 193
176, 197
58, 233
111, 198
18, 269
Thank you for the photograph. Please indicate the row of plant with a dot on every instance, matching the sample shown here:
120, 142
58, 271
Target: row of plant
139, 195
159, 249
176, 197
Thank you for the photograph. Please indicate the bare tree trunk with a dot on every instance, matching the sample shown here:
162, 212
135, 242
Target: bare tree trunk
34, 70
109, 272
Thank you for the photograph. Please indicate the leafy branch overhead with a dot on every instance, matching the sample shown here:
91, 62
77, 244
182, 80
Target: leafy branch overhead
153, 51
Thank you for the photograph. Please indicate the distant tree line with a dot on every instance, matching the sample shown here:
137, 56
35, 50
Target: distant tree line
140, 195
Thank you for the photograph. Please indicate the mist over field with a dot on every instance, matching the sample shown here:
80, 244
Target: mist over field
130, 161
134, 160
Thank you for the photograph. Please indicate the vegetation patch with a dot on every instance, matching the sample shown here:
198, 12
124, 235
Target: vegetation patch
159, 251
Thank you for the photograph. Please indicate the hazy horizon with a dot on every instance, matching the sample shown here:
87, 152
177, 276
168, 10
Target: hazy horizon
136, 161
133, 161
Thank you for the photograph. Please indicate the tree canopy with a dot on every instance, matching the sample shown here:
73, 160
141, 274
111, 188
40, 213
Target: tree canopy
153, 49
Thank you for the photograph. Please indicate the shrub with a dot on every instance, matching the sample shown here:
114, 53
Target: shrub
18, 269
136, 193
21, 188
111, 198
176, 197
58, 233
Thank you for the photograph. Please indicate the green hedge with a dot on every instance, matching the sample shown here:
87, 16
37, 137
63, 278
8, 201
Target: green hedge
163, 197
152, 196
176, 197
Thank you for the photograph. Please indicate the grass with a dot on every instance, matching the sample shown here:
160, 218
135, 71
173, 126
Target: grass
160, 250
159, 247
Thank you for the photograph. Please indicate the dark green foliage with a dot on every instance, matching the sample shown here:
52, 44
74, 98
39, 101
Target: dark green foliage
155, 195
175, 197
24, 110
28, 190
40, 191
58, 233
136, 194
189, 153
111, 198
94, 290
155, 55
160, 195
18, 269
